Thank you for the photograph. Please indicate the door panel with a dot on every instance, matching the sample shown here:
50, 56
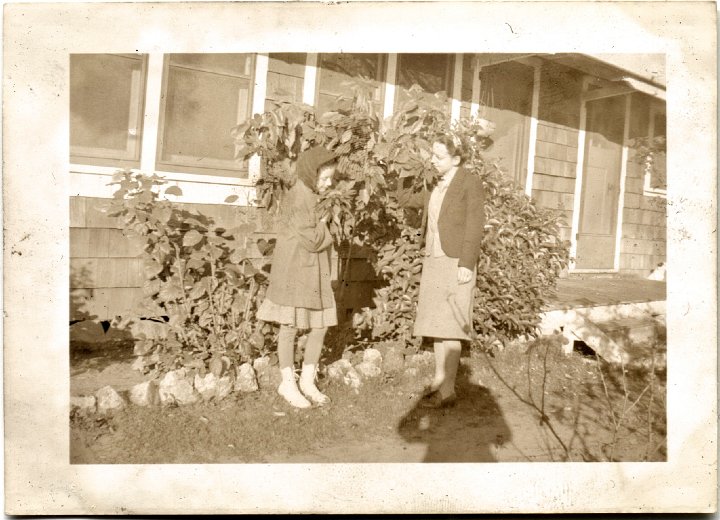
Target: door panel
601, 183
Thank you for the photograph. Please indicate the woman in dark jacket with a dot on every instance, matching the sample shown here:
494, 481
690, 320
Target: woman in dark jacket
300, 294
453, 222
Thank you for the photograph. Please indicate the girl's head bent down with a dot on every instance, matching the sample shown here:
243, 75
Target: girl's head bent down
315, 168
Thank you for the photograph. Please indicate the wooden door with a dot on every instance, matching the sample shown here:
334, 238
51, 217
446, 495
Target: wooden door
601, 183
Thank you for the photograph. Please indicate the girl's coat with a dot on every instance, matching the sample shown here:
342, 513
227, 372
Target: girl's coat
301, 261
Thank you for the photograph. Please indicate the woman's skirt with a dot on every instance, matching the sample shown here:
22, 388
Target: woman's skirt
444, 306
298, 317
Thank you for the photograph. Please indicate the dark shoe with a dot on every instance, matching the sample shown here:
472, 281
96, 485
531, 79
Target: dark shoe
435, 400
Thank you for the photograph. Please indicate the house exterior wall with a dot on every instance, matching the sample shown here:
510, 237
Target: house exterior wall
556, 148
644, 229
106, 267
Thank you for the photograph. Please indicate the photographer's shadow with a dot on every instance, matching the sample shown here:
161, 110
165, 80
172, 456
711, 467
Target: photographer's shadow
473, 430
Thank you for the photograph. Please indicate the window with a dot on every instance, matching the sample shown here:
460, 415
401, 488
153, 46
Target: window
432, 72
106, 107
656, 176
285, 78
647, 141
336, 70
204, 97
506, 91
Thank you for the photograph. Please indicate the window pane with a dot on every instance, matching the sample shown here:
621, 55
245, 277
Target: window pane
336, 69
106, 93
286, 77
429, 71
659, 170
506, 91
206, 96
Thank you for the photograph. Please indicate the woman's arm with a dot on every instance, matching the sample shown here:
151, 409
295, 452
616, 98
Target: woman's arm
407, 198
474, 222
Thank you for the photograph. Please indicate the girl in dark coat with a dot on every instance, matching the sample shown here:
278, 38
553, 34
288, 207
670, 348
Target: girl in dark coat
300, 294
453, 222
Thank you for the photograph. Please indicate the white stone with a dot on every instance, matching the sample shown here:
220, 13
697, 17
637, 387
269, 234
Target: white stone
108, 399
246, 380
224, 387
261, 364
352, 379
138, 364
373, 357
85, 403
206, 386
145, 394
337, 370
176, 387
368, 370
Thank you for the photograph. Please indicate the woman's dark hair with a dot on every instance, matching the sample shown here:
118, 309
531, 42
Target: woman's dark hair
455, 146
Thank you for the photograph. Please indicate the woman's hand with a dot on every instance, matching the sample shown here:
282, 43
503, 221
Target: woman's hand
464, 275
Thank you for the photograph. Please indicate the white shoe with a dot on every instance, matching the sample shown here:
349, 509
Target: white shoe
289, 391
315, 395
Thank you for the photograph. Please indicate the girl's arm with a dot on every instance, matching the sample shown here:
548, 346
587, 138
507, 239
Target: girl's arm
313, 234
474, 224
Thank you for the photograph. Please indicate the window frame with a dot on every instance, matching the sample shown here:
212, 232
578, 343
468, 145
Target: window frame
182, 167
111, 157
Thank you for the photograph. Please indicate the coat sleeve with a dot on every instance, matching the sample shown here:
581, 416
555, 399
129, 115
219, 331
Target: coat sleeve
474, 224
312, 234
407, 198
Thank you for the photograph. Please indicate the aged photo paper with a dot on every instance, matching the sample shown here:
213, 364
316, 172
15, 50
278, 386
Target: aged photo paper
37, 41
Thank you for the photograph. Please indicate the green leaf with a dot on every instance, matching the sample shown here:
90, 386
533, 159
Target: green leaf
232, 198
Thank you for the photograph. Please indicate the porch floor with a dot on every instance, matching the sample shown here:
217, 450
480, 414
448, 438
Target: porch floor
595, 291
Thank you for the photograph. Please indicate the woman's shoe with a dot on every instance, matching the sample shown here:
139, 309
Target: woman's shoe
315, 395
435, 400
289, 391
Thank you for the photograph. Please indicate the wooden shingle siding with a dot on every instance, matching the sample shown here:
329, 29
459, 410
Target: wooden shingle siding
644, 229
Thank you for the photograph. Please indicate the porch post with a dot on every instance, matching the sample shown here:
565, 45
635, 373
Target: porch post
151, 119
623, 176
456, 94
578, 177
390, 79
533, 129
310, 79
475, 104
258, 106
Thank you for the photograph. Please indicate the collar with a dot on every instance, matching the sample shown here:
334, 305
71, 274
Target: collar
447, 179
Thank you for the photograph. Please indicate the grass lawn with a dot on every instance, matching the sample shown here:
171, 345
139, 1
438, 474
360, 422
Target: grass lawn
539, 405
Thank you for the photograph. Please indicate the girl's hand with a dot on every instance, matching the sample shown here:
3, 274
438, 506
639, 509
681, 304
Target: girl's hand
464, 275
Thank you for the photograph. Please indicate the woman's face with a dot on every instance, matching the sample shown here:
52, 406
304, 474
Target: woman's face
442, 160
325, 175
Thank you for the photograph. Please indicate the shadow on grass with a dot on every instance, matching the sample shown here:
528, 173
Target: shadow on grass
471, 431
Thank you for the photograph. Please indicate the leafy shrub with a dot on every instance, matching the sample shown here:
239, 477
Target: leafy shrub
522, 253
199, 279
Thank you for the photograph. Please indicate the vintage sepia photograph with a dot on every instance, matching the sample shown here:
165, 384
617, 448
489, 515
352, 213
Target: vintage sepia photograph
369, 257
266, 252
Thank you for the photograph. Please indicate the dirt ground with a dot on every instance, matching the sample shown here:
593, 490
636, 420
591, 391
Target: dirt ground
539, 405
